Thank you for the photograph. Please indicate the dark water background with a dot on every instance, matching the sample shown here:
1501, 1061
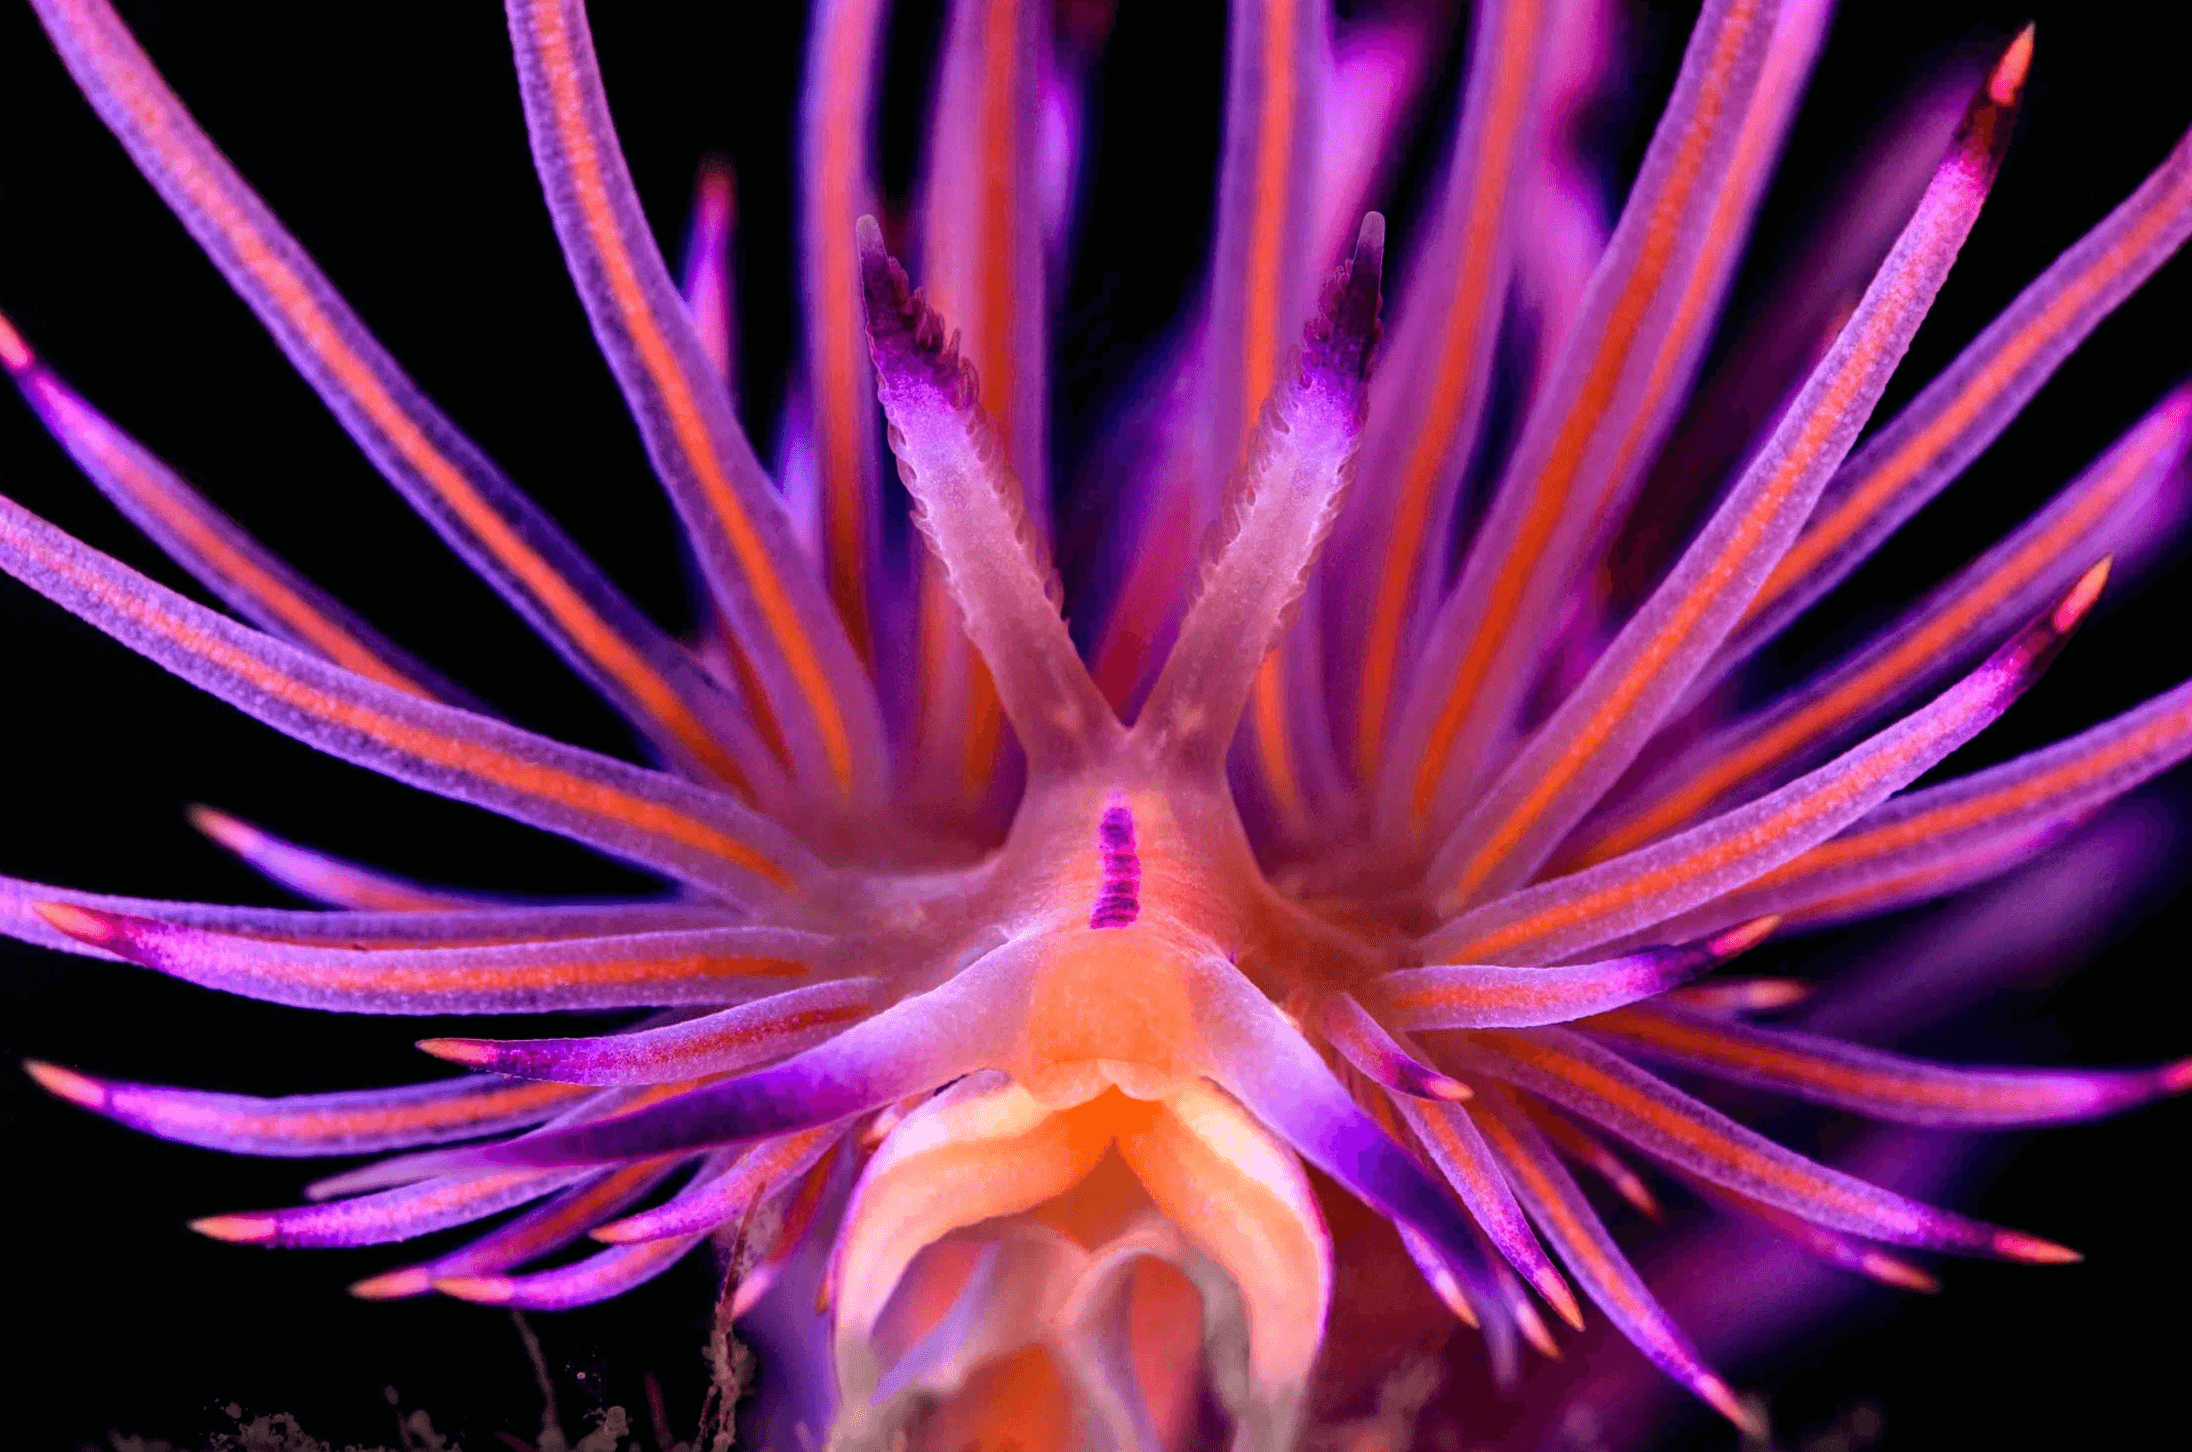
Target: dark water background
390, 139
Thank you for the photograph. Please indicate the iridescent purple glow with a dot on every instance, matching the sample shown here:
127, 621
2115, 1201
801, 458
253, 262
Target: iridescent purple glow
1033, 988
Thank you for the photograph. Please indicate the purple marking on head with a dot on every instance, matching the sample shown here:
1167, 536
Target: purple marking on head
1119, 901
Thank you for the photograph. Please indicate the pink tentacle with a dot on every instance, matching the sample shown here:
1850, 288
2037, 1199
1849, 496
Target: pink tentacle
459, 491
1576, 756
1566, 915
358, 1121
1602, 1087
671, 826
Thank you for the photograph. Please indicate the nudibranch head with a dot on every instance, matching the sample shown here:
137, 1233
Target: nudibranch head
1075, 1024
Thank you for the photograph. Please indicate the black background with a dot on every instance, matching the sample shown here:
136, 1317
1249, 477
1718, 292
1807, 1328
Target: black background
389, 138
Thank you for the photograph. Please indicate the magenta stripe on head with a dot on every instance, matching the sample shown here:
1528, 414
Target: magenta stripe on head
1119, 902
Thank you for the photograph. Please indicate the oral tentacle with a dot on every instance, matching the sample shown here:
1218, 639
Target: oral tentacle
1256, 1055
1103, 1015
969, 509
967, 1024
1299, 460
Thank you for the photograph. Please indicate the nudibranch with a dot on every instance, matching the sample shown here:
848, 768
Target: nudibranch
1030, 1012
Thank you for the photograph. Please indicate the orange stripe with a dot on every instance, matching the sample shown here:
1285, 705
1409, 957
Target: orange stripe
1854, 697
1857, 847
754, 695
1470, 308
985, 726
1894, 891
1791, 818
1145, 600
995, 246
1569, 1233
1262, 292
996, 249
1267, 219
1274, 743
840, 414
939, 633
1796, 1067
360, 973
1549, 492
1580, 1146
451, 1113
1754, 145
1830, 531
141, 95
1619, 703
1669, 1122
545, 783
1724, 230
592, 193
